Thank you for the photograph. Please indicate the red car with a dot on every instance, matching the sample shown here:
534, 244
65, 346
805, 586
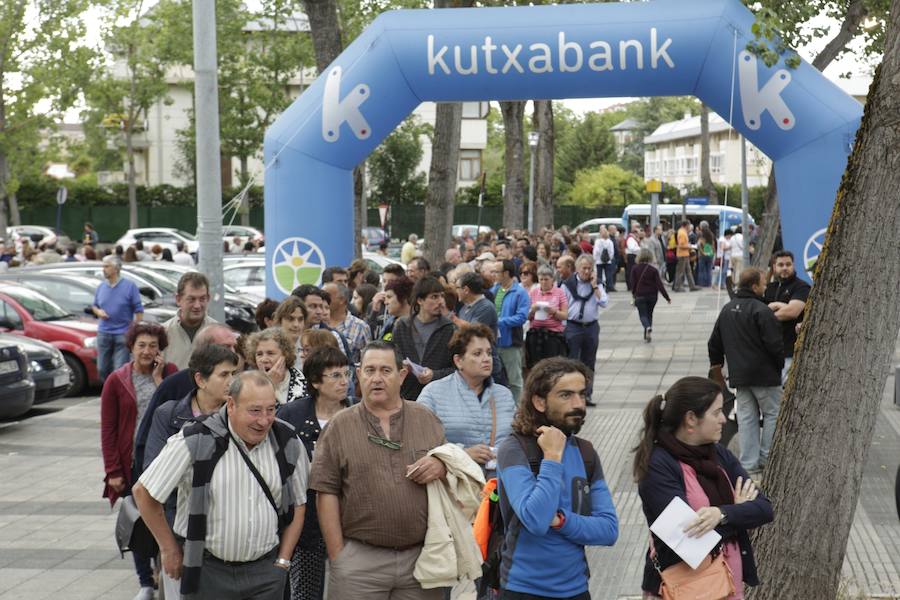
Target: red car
26, 312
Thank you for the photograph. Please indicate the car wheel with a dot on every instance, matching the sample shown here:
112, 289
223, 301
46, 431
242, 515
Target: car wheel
79, 375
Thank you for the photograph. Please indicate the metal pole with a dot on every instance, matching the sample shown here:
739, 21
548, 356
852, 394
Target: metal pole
480, 203
209, 182
745, 202
654, 210
531, 195
364, 207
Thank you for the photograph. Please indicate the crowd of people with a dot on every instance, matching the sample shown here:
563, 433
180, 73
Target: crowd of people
341, 450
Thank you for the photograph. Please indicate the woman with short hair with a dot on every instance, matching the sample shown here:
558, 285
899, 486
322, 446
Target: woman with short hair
547, 315
476, 412
678, 456
327, 373
271, 351
125, 396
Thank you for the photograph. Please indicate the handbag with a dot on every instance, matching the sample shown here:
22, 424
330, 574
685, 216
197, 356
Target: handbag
711, 580
131, 531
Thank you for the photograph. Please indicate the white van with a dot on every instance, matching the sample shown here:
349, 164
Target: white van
718, 216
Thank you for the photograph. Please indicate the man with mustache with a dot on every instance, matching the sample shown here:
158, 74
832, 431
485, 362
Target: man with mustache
554, 499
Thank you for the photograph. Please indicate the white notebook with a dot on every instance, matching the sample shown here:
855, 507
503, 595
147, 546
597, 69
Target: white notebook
669, 527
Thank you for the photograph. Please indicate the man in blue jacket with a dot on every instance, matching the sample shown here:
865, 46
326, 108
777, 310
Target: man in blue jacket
553, 497
512, 304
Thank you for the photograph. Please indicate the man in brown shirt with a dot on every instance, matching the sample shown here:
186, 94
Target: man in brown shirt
370, 471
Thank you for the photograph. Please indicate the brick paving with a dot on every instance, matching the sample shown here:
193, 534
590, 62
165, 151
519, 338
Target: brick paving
56, 532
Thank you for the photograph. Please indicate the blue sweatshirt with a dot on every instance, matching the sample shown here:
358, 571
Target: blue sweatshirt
537, 559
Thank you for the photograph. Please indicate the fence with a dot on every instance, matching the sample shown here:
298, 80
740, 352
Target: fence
111, 222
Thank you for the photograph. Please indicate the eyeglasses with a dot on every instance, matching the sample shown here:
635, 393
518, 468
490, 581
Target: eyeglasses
337, 375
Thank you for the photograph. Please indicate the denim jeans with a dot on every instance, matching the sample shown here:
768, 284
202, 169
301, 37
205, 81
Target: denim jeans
704, 271
609, 276
751, 402
583, 341
112, 353
645, 306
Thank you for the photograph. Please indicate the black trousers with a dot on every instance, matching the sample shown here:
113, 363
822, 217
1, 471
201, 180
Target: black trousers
507, 595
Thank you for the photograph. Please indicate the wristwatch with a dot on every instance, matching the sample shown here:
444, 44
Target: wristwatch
283, 563
724, 519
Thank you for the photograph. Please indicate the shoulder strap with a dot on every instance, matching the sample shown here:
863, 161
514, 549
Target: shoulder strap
588, 456
259, 478
533, 452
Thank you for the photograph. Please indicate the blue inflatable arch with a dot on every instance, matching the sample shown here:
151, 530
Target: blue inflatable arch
803, 122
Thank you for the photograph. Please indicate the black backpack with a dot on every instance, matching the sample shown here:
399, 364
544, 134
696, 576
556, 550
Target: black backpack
490, 568
604, 256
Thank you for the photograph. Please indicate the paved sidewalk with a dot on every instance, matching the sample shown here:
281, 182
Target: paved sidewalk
56, 532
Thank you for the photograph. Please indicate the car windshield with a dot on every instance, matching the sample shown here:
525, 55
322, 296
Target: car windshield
39, 307
186, 235
160, 281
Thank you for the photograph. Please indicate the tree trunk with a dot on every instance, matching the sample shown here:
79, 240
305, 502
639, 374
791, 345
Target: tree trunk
132, 191
245, 201
770, 226
442, 180
705, 178
854, 17
543, 165
325, 30
359, 190
831, 403
15, 216
3, 179
514, 155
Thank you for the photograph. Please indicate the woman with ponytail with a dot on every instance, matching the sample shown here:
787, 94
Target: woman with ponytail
678, 454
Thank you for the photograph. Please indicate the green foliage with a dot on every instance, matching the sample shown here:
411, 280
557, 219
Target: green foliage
607, 184
43, 59
782, 25
493, 191
393, 165
580, 144
83, 191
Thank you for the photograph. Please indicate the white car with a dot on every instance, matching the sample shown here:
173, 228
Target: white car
166, 237
593, 225
229, 232
377, 262
247, 276
16, 233
469, 230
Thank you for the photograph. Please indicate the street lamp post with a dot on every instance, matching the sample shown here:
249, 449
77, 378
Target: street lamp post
533, 139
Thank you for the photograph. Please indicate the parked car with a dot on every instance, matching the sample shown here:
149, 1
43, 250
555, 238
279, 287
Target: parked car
37, 233
49, 371
373, 237
469, 230
16, 384
75, 292
166, 237
593, 225
229, 232
377, 262
239, 312
27, 312
247, 276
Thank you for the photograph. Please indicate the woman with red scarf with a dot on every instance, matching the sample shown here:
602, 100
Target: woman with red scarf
678, 455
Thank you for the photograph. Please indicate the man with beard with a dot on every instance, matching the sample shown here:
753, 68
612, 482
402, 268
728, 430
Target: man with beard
554, 499
786, 296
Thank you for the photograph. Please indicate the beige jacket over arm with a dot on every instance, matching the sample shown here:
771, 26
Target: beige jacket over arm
450, 552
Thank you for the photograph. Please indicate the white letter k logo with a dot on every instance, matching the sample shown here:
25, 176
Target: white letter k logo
336, 111
755, 100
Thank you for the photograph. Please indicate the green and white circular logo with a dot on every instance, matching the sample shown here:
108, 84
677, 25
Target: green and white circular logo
812, 249
297, 261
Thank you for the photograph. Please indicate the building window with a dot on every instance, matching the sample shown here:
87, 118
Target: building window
715, 164
469, 165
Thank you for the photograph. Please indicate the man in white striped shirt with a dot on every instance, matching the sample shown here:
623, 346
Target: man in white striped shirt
242, 541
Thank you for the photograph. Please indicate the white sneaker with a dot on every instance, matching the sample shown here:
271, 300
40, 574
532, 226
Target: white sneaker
145, 593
